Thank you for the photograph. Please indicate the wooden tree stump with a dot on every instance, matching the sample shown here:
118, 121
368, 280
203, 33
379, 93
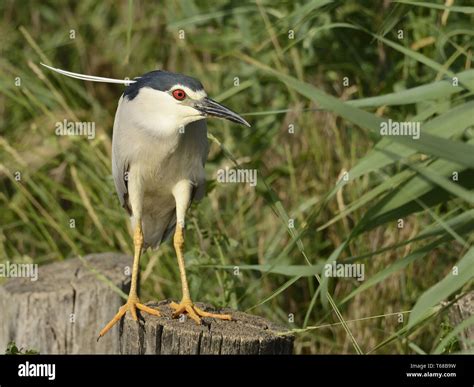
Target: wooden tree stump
460, 311
63, 311
244, 335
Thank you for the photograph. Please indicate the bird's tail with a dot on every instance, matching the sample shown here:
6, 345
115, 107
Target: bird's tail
155, 232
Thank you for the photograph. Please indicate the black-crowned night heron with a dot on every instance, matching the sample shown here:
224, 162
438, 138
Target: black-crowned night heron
159, 149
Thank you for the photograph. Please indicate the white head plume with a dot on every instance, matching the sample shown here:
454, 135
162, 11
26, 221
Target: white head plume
90, 78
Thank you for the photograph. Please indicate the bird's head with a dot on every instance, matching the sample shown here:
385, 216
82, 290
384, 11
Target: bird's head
163, 102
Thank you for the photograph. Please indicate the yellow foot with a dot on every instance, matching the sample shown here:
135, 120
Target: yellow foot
187, 306
132, 305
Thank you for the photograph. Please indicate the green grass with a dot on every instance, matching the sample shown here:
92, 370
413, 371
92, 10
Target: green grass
12, 349
282, 82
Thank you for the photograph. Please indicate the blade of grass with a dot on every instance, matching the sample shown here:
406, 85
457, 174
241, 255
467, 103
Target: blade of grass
444, 288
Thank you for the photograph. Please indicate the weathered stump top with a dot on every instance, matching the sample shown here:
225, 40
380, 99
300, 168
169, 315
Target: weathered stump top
245, 334
71, 273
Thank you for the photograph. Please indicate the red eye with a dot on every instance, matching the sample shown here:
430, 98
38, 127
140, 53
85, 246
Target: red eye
179, 94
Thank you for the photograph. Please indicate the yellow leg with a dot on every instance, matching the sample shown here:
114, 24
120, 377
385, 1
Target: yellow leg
186, 305
133, 303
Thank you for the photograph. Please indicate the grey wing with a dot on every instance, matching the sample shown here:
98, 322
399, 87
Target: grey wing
199, 190
120, 173
120, 165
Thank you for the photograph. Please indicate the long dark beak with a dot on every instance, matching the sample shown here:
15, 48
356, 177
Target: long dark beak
210, 107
